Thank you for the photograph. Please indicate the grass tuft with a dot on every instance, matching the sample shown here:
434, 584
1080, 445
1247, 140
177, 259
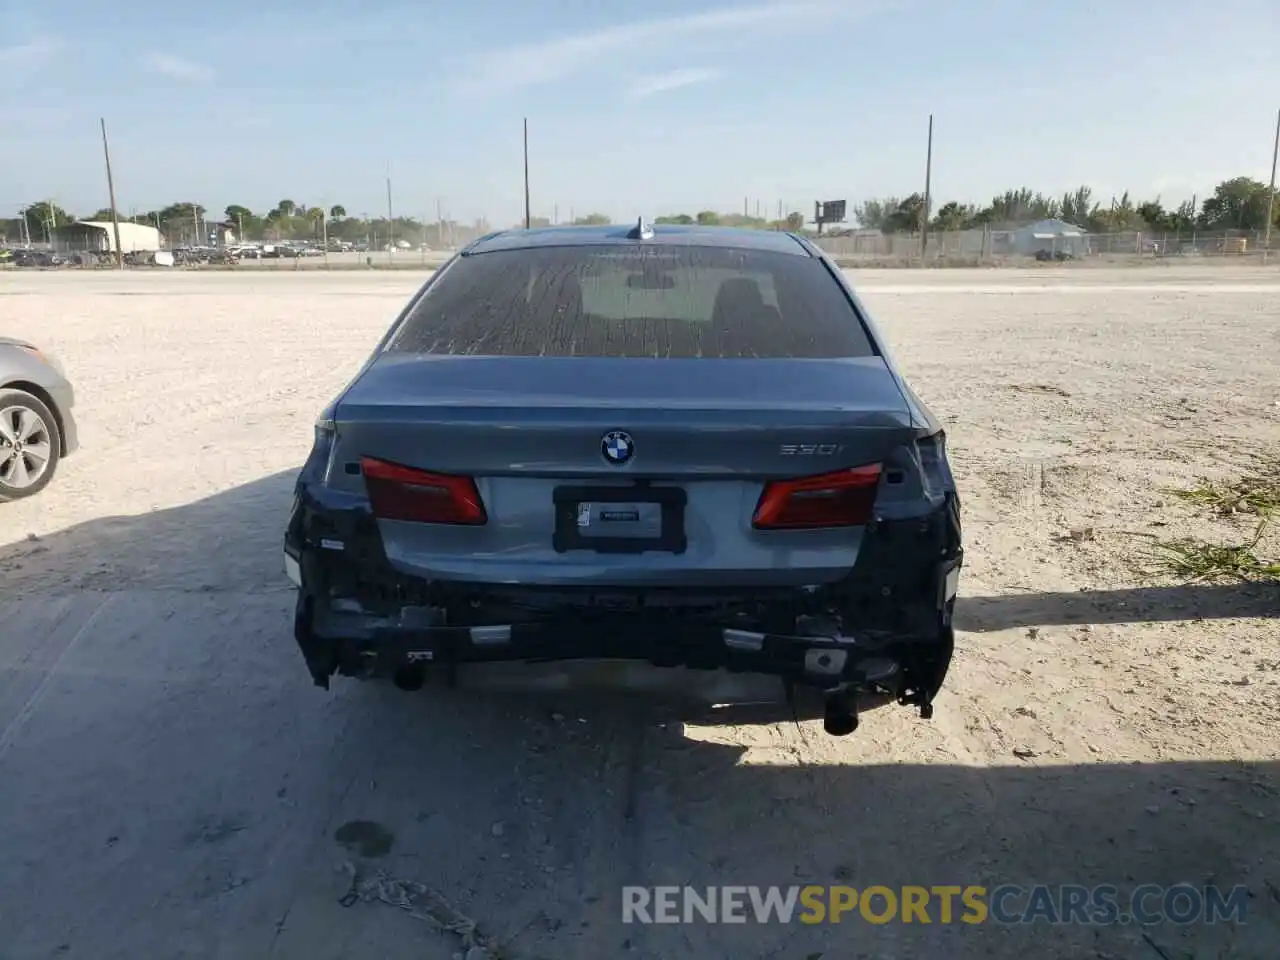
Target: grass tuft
1257, 494
1195, 560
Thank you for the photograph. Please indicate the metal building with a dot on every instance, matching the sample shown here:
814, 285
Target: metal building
1052, 236
99, 237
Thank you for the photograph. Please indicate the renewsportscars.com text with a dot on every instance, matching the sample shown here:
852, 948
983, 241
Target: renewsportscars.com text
945, 904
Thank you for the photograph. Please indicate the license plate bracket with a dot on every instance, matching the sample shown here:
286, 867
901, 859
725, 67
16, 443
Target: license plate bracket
618, 519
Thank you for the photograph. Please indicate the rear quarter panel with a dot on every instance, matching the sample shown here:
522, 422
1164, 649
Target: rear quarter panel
921, 415
18, 365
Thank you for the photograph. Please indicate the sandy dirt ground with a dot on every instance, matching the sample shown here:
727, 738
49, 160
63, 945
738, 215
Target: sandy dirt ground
172, 785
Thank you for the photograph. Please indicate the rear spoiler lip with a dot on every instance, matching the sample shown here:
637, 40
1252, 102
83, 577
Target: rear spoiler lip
484, 394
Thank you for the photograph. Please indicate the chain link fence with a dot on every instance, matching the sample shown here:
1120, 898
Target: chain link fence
427, 245
986, 246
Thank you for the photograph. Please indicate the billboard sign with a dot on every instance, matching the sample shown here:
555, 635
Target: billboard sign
830, 211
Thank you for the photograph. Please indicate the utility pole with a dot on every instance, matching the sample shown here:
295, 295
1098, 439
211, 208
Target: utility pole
324, 227
111, 195
439, 224
928, 185
528, 219
1271, 192
391, 230
195, 221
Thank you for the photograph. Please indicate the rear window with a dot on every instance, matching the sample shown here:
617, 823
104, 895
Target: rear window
623, 301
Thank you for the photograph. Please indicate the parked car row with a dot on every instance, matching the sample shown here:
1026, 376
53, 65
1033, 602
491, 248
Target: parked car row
285, 249
199, 255
84, 258
181, 255
25, 257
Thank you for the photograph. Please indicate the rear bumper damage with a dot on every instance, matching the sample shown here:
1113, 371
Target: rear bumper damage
880, 634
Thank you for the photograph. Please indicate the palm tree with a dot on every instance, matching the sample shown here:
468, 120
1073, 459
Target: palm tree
286, 208
337, 212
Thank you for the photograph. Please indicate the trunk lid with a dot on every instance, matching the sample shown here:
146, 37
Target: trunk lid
524, 427
688, 418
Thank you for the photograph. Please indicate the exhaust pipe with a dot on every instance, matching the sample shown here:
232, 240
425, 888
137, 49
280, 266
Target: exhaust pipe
409, 677
840, 718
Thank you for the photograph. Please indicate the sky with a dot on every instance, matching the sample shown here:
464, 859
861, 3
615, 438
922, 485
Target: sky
636, 108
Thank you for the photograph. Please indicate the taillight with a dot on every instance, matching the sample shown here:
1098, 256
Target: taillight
34, 351
935, 475
404, 493
844, 498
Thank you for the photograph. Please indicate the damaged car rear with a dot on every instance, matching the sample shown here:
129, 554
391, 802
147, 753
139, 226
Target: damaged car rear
681, 448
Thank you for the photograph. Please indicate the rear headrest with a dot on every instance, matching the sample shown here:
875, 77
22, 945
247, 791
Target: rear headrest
740, 293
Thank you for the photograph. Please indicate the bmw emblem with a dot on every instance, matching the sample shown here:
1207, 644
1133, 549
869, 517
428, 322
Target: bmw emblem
617, 447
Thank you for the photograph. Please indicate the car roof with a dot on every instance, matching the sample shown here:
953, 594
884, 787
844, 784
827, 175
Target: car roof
663, 234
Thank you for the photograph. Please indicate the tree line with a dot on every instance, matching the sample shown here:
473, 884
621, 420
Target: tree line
1236, 204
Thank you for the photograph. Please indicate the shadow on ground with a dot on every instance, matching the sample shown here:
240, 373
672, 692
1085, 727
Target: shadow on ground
173, 785
230, 541
1195, 601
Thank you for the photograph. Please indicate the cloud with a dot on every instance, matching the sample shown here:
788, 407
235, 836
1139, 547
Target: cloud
534, 63
177, 68
25, 57
671, 80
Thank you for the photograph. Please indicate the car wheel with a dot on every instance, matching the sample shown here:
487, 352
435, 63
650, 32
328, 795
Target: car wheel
29, 445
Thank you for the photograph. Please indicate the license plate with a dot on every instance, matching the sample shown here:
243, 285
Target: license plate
619, 519
631, 519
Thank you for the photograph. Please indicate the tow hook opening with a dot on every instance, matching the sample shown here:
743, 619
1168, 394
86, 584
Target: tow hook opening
410, 676
840, 718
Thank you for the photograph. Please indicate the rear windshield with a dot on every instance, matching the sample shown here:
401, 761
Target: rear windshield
621, 301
